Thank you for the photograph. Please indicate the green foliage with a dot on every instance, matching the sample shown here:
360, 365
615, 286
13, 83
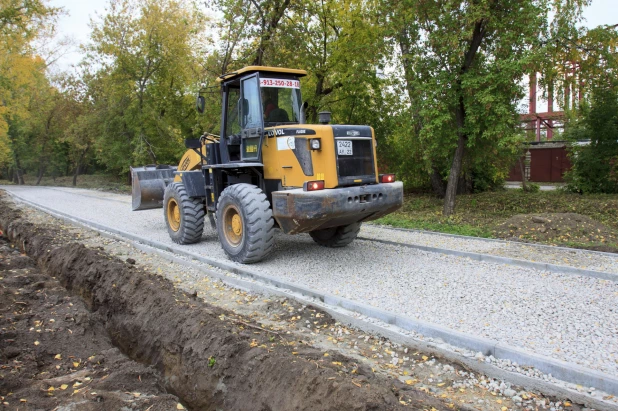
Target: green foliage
143, 82
595, 164
462, 63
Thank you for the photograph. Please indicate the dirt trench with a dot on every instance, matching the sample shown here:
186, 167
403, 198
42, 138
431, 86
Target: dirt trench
208, 357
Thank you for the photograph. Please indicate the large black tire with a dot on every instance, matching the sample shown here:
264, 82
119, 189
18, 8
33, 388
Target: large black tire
336, 236
184, 216
245, 223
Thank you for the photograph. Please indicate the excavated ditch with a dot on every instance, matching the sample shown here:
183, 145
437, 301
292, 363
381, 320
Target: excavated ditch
208, 357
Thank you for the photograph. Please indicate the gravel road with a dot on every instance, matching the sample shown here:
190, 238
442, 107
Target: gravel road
568, 317
571, 257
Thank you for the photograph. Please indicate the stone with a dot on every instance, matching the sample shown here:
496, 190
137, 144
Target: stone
509, 393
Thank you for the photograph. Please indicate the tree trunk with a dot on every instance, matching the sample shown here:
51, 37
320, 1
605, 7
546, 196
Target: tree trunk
453, 177
437, 183
19, 174
41, 172
75, 174
78, 166
523, 174
460, 118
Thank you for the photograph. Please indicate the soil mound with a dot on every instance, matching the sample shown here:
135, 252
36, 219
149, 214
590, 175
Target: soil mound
556, 228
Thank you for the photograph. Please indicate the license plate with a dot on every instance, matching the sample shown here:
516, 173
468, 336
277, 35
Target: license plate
344, 147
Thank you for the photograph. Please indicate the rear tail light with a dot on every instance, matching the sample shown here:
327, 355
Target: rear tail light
387, 178
313, 185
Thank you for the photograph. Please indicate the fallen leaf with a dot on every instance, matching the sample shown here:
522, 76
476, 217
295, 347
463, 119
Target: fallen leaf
64, 387
36, 343
326, 354
179, 406
51, 389
75, 364
336, 363
425, 358
58, 357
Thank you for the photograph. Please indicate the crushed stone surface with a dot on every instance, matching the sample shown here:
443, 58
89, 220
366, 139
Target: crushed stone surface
567, 317
582, 259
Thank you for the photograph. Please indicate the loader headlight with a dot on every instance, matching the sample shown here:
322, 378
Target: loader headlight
315, 144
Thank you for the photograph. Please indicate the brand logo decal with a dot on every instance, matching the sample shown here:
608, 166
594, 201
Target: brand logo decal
353, 133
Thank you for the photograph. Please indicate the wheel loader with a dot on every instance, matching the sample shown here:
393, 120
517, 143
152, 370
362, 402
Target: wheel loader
268, 170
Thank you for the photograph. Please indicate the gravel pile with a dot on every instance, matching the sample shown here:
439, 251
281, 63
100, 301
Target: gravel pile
567, 317
573, 258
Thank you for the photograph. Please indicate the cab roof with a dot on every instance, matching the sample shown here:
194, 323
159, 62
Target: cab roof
264, 69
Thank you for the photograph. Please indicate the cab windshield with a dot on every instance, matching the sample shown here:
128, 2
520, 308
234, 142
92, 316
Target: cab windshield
281, 101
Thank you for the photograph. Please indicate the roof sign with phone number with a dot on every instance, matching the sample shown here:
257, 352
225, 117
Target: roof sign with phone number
279, 82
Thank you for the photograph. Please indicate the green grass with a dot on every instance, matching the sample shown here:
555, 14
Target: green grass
446, 226
94, 181
480, 214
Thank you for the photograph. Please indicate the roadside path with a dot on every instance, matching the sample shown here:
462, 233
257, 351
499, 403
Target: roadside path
567, 317
570, 257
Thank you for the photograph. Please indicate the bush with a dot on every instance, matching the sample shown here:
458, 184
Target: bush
595, 166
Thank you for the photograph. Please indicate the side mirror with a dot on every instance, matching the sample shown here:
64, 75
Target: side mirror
200, 104
303, 115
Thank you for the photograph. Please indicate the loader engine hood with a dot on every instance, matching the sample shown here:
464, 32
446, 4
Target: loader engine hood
346, 156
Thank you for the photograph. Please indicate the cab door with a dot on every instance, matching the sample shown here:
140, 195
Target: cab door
251, 120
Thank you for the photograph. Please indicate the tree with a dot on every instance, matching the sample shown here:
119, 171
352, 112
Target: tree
21, 71
595, 164
143, 70
463, 62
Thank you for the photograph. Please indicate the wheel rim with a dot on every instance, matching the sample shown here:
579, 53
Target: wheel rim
173, 214
233, 227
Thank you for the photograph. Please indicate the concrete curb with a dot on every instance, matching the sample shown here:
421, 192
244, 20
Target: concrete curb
561, 269
559, 369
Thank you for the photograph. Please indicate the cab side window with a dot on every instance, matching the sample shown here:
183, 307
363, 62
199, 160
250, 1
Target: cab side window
251, 111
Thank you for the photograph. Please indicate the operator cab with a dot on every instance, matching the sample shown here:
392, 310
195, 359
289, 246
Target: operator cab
255, 99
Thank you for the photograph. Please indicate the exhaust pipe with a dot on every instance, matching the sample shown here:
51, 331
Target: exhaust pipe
148, 185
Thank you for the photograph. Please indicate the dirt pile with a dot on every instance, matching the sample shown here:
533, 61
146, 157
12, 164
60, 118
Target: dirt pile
208, 357
54, 353
559, 228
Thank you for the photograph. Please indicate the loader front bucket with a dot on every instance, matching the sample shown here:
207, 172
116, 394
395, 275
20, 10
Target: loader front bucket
148, 185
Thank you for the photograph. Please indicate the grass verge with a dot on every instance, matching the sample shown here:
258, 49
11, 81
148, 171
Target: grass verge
481, 214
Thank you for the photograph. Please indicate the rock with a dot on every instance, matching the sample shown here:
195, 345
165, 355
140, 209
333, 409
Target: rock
510, 393
517, 399
130, 261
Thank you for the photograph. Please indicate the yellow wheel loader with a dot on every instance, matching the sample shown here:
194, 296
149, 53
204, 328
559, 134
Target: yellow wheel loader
267, 170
